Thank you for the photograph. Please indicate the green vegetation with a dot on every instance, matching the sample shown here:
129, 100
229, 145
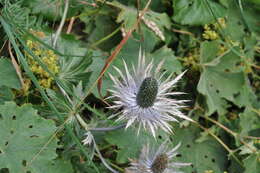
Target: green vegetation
55, 61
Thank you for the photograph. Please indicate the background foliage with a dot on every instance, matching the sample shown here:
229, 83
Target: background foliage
44, 85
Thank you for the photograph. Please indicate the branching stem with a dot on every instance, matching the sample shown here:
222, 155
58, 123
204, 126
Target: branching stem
230, 151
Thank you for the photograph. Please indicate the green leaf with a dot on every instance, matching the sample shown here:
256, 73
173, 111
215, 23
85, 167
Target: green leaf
5, 94
196, 12
161, 19
234, 167
248, 121
73, 69
26, 143
15, 12
207, 155
222, 78
51, 9
87, 16
252, 163
128, 16
130, 51
58, 166
8, 74
246, 96
250, 13
171, 64
104, 26
60, 102
95, 69
128, 142
234, 22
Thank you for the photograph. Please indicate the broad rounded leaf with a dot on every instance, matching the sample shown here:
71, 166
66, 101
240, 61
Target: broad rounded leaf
222, 78
249, 121
252, 163
6, 94
171, 63
8, 76
26, 143
196, 12
207, 155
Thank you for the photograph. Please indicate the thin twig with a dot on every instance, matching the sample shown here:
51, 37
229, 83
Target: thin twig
61, 127
220, 141
220, 125
227, 129
230, 131
3, 46
224, 127
87, 3
183, 32
70, 25
255, 66
15, 64
61, 23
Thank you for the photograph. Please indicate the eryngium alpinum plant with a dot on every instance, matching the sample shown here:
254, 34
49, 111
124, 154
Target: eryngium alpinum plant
145, 98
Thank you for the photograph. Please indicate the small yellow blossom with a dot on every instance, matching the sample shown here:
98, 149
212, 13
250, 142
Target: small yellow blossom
210, 35
222, 49
210, 30
234, 43
26, 87
192, 59
209, 171
221, 23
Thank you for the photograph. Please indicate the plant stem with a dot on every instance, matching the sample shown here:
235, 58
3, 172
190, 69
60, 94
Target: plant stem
224, 127
232, 133
102, 158
106, 37
104, 129
61, 23
81, 121
231, 152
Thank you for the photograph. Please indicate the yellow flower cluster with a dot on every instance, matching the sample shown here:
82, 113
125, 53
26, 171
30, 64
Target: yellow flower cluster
191, 60
208, 171
210, 30
209, 34
220, 24
48, 57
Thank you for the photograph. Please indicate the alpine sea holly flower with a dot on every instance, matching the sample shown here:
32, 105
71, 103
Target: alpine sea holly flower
157, 161
144, 98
